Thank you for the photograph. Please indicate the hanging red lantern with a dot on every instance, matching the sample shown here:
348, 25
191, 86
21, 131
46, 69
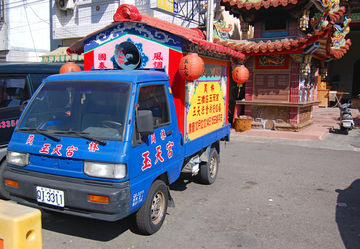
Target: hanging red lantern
240, 74
69, 67
191, 67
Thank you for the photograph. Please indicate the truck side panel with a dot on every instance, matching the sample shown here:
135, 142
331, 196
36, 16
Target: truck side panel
206, 107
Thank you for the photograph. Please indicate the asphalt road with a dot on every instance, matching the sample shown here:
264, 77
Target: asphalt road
270, 193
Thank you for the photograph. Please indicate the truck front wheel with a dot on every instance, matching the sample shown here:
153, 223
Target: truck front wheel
209, 170
151, 215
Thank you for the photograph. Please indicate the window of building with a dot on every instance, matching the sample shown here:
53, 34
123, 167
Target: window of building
275, 23
276, 26
2, 11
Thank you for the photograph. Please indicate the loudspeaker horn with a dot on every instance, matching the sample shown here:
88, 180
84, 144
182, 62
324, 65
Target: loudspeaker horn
127, 55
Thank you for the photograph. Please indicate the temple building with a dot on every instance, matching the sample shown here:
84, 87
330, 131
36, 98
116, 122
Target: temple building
288, 55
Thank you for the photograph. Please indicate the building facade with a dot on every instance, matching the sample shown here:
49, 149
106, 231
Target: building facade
75, 19
344, 74
294, 40
24, 30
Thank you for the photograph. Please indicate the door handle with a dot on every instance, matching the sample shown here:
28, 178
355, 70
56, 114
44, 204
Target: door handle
169, 132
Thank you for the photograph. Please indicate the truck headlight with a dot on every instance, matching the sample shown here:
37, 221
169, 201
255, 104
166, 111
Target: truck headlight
105, 170
17, 158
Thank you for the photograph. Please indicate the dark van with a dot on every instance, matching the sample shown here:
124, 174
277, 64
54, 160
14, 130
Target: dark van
18, 81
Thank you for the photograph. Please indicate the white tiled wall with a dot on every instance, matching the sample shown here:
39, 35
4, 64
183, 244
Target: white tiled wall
89, 16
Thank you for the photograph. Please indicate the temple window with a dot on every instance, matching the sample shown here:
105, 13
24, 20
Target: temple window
275, 26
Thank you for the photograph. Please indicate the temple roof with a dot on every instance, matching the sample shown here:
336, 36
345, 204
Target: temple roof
257, 4
323, 35
129, 13
287, 46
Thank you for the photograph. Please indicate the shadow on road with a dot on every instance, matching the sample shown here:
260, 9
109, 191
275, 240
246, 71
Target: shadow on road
84, 227
96, 229
348, 215
181, 183
336, 131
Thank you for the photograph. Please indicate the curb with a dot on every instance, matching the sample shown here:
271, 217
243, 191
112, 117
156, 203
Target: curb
311, 135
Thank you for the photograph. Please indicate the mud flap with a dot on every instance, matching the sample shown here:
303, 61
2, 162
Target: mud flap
171, 202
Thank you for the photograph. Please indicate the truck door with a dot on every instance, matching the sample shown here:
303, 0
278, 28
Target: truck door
158, 152
14, 92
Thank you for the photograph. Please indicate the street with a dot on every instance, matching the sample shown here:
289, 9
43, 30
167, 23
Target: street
270, 193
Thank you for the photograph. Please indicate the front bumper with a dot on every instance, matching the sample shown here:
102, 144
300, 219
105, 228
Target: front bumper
76, 193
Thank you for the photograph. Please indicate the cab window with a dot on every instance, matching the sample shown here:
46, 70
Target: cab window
13, 91
154, 98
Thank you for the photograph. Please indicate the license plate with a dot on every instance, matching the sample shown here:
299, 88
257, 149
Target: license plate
50, 196
346, 124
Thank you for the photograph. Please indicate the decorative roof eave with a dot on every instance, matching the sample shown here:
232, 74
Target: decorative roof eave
60, 55
336, 15
129, 13
289, 46
339, 53
259, 3
284, 46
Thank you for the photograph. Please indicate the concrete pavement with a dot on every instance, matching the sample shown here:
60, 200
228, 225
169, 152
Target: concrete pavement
325, 120
269, 194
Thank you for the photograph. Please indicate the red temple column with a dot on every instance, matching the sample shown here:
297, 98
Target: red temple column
249, 85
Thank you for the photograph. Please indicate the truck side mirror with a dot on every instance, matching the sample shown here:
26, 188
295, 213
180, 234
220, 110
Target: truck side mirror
144, 122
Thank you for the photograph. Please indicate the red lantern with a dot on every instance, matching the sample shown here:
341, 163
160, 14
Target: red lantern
240, 74
69, 67
191, 67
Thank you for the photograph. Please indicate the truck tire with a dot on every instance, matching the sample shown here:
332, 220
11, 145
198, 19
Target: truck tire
209, 170
152, 213
3, 193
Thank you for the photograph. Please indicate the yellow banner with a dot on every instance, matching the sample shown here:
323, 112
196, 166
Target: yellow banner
166, 5
206, 111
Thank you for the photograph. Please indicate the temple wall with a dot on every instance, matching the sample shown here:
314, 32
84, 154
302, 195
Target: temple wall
272, 94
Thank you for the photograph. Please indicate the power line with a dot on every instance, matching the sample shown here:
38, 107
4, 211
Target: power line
32, 38
41, 20
21, 3
66, 29
39, 16
84, 17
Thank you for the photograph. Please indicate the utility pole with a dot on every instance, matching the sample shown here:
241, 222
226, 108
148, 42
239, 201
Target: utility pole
210, 21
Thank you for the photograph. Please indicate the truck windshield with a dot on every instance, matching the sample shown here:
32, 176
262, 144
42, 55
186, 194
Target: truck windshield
89, 109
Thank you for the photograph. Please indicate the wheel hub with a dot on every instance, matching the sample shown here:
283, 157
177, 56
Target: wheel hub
213, 167
157, 207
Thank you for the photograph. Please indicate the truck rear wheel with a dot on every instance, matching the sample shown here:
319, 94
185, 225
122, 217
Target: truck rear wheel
3, 193
209, 170
151, 215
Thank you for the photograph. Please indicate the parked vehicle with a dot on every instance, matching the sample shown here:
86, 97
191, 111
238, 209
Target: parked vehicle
107, 144
18, 81
346, 119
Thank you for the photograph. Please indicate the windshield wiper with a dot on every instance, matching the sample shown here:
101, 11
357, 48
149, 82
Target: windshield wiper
42, 132
83, 135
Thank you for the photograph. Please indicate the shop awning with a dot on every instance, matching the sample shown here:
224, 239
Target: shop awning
60, 55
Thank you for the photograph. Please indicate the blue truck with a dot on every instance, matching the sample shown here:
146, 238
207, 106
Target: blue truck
105, 144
